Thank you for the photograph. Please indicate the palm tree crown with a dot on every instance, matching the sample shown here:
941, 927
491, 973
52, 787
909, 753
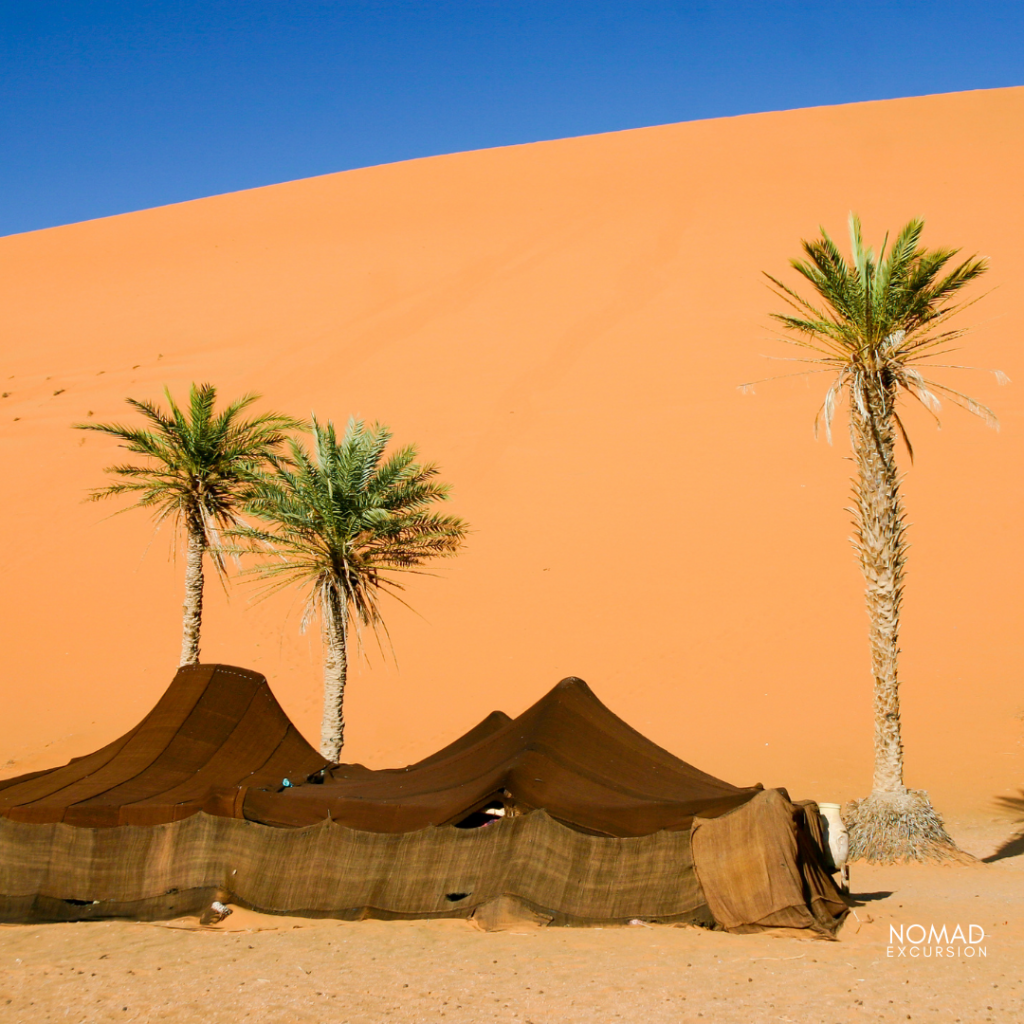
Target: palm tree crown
879, 319
200, 469
340, 520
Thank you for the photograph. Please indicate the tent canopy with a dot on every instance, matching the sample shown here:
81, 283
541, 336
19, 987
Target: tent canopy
218, 740
215, 726
567, 754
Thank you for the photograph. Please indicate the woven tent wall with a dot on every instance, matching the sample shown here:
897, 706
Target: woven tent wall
327, 869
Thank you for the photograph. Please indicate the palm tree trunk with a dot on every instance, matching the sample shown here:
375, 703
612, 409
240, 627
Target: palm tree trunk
893, 823
332, 726
193, 607
881, 547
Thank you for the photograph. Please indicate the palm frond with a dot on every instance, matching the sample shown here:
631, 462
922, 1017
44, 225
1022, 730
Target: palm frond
199, 468
339, 518
874, 318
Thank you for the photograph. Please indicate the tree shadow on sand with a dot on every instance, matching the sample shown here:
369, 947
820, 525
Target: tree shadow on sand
1014, 846
862, 898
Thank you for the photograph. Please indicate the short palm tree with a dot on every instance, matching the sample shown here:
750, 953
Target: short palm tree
200, 468
875, 324
338, 521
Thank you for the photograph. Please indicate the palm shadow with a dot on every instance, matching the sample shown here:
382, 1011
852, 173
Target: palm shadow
1014, 846
861, 898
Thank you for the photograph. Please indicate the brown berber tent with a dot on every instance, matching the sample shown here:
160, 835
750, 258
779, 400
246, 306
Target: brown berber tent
216, 794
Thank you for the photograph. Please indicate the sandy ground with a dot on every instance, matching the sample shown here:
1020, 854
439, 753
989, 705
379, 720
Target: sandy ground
563, 328
258, 968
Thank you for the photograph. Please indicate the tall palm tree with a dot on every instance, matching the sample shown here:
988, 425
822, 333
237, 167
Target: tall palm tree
338, 521
875, 324
200, 468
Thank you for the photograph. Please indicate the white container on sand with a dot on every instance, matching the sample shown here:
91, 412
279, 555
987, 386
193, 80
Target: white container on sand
837, 839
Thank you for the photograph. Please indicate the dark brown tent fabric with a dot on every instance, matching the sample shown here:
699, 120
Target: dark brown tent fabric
601, 833
567, 754
760, 867
215, 726
493, 723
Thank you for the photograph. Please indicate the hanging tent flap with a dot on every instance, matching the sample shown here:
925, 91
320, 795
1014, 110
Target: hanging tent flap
759, 867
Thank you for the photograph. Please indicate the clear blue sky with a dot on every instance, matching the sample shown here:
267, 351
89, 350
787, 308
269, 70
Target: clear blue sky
107, 107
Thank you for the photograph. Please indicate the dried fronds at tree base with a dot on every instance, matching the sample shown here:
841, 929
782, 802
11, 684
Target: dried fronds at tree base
890, 828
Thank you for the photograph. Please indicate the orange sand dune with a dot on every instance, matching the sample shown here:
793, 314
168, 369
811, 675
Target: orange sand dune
563, 327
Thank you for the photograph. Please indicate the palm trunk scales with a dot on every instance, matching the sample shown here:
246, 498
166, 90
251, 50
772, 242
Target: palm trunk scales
881, 548
332, 726
193, 607
893, 822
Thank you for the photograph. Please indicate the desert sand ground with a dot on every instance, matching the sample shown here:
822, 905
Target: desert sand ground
258, 968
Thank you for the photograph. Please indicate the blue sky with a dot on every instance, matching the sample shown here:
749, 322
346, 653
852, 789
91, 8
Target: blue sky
107, 107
